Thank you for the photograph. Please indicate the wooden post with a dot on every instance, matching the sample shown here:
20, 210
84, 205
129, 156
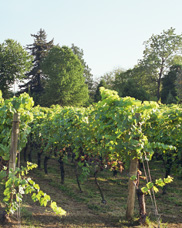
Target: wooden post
131, 186
14, 142
13, 153
131, 189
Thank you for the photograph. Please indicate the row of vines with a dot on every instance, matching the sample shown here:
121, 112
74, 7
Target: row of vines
111, 133
15, 181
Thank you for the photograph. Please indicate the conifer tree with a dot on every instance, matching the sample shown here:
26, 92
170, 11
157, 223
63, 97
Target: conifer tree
35, 77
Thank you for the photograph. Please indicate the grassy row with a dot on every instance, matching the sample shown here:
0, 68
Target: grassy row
115, 191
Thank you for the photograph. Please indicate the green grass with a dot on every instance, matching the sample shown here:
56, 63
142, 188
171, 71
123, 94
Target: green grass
115, 190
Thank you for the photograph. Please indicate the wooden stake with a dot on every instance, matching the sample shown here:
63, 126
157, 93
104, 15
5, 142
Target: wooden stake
13, 153
14, 142
131, 189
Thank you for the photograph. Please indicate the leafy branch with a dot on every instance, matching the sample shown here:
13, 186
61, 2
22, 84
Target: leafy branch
18, 184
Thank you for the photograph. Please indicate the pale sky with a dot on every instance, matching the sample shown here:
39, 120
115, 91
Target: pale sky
110, 32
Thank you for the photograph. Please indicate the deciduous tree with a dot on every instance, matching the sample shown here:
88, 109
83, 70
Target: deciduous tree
14, 63
65, 84
178, 84
111, 77
86, 70
159, 54
133, 83
169, 92
97, 96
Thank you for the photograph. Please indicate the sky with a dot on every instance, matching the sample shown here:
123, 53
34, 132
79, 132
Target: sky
110, 32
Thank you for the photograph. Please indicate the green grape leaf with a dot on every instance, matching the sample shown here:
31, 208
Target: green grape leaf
144, 189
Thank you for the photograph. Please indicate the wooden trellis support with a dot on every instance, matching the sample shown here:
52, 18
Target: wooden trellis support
131, 189
14, 142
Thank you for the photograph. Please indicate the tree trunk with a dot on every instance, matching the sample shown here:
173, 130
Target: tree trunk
100, 190
142, 206
25, 152
61, 163
131, 189
39, 159
45, 164
77, 179
159, 80
29, 152
168, 167
158, 89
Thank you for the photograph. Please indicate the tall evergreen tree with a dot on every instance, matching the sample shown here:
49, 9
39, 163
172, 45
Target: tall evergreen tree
39, 50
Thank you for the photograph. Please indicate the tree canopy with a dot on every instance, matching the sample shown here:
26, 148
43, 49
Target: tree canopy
86, 71
35, 77
14, 63
65, 84
169, 91
178, 84
159, 54
97, 96
59, 75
